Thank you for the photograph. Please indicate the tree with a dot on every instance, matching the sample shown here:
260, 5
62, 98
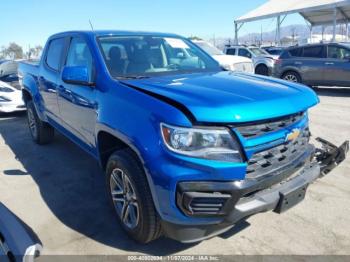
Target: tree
34, 52
195, 38
2, 53
13, 51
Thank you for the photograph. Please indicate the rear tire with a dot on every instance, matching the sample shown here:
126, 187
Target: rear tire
292, 76
41, 132
131, 198
262, 70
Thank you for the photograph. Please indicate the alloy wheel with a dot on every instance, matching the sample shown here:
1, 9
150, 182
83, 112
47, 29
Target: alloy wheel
32, 123
291, 78
124, 198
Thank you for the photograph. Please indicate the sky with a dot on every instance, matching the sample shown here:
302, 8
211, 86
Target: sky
31, 22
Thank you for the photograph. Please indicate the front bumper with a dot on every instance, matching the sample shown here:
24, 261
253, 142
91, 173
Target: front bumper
278, 192
17, 241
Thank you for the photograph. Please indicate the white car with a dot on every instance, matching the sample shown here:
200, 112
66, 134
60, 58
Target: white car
232, 63
10, 99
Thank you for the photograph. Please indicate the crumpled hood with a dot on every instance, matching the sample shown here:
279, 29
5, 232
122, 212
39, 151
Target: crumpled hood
228, 97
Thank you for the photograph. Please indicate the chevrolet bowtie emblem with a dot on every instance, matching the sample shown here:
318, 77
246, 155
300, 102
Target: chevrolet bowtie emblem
293, 135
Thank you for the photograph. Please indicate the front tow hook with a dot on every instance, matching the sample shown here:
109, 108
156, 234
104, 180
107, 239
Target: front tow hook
329, 156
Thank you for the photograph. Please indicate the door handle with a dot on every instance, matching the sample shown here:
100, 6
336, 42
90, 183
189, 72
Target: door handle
329, 63
298, 63
64, 90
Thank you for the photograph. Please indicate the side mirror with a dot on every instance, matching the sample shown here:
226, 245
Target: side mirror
77, 75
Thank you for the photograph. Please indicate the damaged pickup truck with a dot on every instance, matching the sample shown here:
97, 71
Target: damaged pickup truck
188, 148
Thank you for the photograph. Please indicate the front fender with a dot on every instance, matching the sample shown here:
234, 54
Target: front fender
134, 118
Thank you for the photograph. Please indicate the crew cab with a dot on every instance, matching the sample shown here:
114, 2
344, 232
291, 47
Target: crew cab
188, 149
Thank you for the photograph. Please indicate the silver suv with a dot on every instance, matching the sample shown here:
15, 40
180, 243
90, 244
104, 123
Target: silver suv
263, 61
315, 64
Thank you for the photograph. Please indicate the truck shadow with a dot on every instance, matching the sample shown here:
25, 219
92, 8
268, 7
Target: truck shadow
72, 185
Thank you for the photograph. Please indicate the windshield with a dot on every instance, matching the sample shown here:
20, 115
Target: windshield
274, 51
211, 50
144, 56
258, 51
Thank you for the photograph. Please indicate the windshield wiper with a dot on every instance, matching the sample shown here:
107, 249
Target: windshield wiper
133, 77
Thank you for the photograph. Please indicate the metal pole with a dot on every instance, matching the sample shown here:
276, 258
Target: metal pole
311, 27
278, 31
236, 33
347, 30
323, 33
334, 23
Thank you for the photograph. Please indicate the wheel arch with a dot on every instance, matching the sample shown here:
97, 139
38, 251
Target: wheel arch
108, 140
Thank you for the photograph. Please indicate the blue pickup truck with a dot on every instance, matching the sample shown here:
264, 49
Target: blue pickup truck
188, 148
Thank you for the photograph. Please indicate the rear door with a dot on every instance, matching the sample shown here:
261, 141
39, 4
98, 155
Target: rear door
48, 76
311, 64
77, 103
337, 67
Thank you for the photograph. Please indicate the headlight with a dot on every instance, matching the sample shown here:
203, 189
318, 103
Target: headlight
4, 99
233, 68
6, 89
214, 144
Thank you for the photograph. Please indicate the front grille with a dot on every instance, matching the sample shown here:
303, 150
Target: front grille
274, 158
250, 131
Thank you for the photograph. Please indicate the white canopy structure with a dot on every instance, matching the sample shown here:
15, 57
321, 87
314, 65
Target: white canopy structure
316, 12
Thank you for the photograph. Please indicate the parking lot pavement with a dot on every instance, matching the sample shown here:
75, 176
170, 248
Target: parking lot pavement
59, 191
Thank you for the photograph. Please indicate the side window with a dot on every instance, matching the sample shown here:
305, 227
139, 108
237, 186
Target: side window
244, 52
79, 54
337, 52
296, 52
231, 51
314, 52
54, 53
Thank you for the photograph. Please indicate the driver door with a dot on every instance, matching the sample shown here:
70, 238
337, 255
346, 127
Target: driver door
337, 66
77, 103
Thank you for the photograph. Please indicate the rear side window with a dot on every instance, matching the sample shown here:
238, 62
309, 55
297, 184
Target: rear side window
231, 51
284, 55
54, 53
296, 52
314, 52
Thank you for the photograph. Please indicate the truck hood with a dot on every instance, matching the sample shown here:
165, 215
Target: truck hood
228, 97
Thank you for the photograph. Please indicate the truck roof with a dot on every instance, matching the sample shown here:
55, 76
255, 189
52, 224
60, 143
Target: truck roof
94, 33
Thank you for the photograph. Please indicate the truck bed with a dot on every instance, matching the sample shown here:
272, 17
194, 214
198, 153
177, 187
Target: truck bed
28, 67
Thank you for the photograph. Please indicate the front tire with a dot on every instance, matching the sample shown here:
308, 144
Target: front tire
262, 70
131, 198
41, 132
